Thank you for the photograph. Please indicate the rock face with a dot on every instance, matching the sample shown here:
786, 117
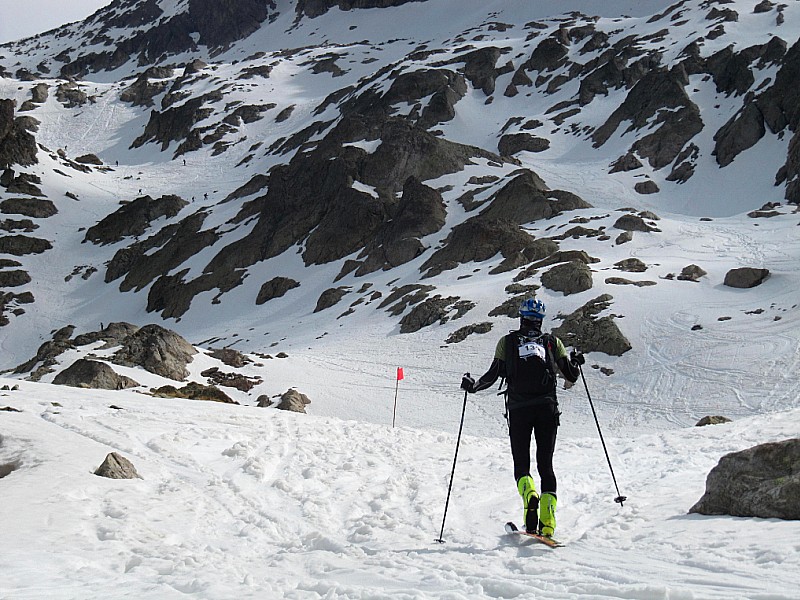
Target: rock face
116, 466
157, 350
763, 481
93, 374
134, 218
212, 23
17, 146
275, 288
745, 277
315, 8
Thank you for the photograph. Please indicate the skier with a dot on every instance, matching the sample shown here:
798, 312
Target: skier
527, 359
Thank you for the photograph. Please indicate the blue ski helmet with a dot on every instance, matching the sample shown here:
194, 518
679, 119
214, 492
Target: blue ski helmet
532, 309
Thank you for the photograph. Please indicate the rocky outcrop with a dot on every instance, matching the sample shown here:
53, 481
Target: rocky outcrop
293, 401
21, 245
459, 335
420, 212
480, 239
658, 98
116, 466
148, 36
712, 420
35, 208
517, 142
17, 146
745, 277
275, 288
47, 353
762, 481
315, 8
585, 330
526, 198
157, 350
193, 391
434, 310
570, 278
134, 218
93, 374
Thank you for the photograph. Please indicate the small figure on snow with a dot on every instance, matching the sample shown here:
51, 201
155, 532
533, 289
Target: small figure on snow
527, 359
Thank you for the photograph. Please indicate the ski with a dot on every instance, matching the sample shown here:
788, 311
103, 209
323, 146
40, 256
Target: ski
511, 528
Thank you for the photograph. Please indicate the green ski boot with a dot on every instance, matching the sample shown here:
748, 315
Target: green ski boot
530, 502
547, 514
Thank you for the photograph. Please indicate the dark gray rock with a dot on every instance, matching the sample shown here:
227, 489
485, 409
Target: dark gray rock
93, 374
479, 239
712, 420
331, 297
21, 245
88, 159
585, 330
517, 142
570, 278
646, 187
691, 273
275, 288
17, 146
631, 265
627, 162
14, 278
633, 223
194, 391
116, 466
459, 335
134, 218
157, 350
526, 198
433, 310
421, 211
315, 8
762, 481
745, 277
30, 207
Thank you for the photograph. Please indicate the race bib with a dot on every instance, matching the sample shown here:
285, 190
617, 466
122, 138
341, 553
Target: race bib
531, 349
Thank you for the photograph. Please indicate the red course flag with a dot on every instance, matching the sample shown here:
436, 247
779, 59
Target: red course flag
399, 373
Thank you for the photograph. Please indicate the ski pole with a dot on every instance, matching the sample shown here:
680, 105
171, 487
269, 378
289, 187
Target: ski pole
620, 498
453, 473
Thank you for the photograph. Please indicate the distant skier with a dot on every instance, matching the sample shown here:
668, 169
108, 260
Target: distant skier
528, 358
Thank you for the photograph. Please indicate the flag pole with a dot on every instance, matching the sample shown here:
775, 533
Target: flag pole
400, 376
394, 412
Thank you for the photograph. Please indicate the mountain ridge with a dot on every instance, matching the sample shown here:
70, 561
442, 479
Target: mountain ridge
439, 171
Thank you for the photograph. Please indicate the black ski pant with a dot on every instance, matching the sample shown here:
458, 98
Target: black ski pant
542, 421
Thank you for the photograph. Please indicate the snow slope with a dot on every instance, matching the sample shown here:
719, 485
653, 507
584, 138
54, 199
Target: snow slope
240, 502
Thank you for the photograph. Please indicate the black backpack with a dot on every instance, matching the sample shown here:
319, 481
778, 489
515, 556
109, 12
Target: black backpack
530, 364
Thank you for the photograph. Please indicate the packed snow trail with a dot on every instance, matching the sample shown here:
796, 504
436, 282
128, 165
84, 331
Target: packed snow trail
254, 503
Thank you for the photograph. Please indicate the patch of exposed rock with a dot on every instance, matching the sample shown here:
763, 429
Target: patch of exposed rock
479, 239
570, 278
745, 277
87, 373
134, 218
157, 350
526, 198
193, 391
459, 335
275, 288
30, 207
116, 466
434, 310
21, 245
17, 145
762, 481
293, 401
585, 330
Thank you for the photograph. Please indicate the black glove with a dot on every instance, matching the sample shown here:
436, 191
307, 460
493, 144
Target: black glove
468, 383
577, 358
